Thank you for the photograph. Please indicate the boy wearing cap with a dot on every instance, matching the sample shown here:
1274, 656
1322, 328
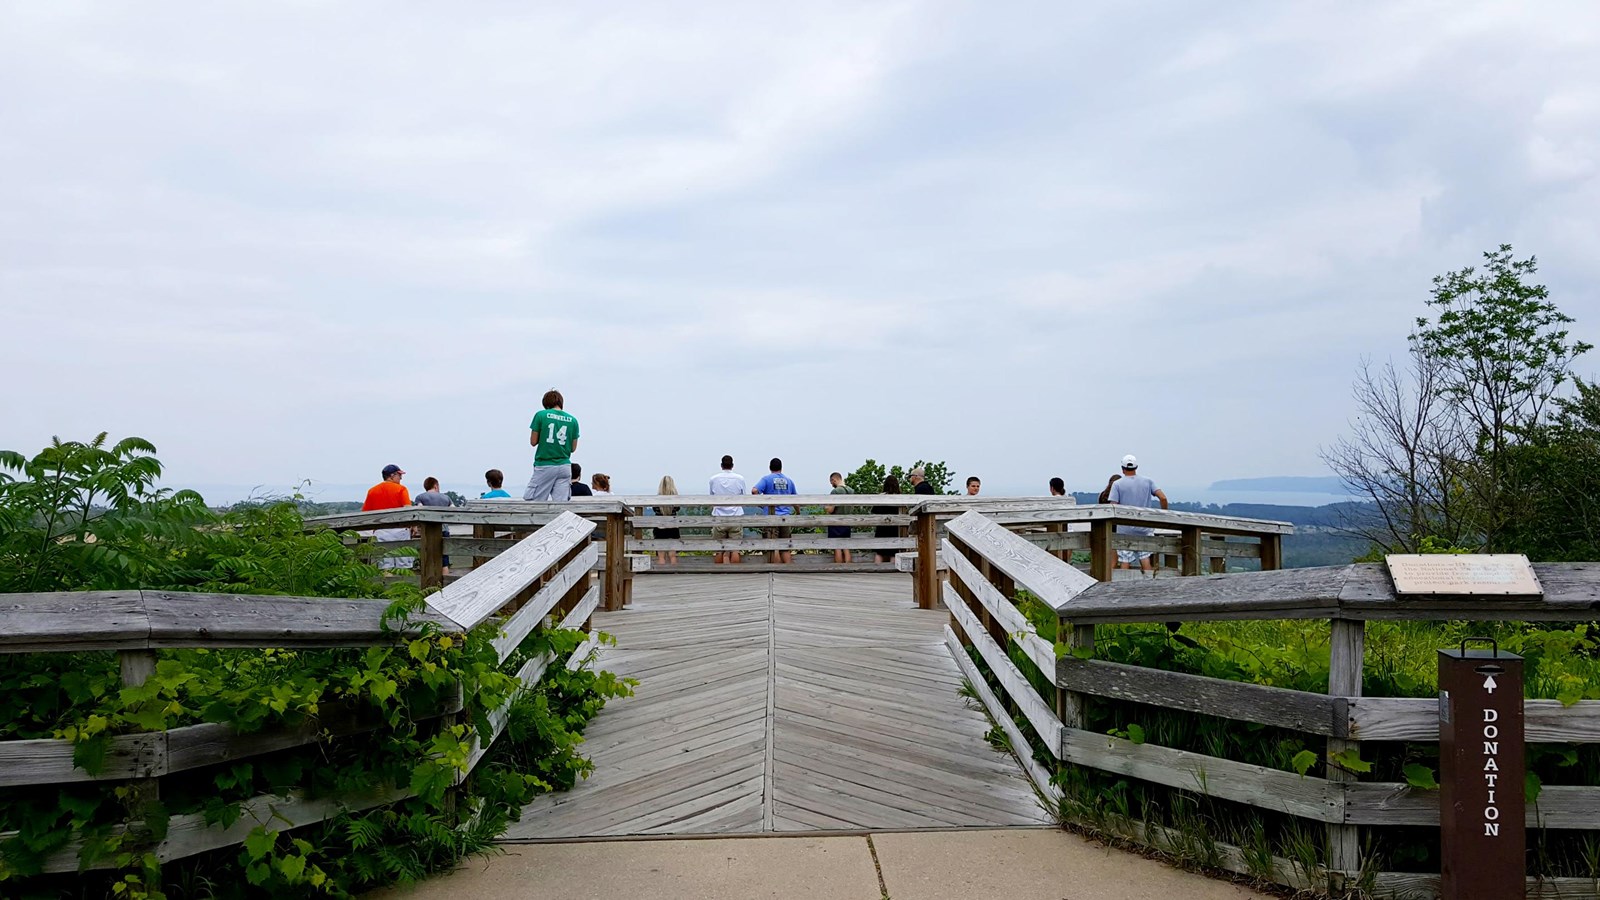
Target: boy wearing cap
1133, 489
390, 494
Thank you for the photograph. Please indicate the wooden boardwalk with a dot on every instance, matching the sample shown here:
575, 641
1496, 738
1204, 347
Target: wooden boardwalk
783, 703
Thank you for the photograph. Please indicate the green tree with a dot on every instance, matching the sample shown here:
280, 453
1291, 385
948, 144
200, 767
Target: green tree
88, 516
868, 477
1556, 469
1502, 351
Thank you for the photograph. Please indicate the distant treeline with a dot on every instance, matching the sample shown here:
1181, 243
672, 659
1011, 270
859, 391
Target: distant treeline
1328, 516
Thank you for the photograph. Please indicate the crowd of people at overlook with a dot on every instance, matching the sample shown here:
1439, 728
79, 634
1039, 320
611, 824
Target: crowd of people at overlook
554, 434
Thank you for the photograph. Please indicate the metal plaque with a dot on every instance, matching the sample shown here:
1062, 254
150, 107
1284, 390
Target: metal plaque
1472, 574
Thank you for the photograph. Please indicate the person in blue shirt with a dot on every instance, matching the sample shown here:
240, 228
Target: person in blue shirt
777, 483
495, 478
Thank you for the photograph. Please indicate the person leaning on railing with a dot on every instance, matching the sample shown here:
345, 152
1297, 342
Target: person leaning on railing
841, 555
891, 485
389, 494
775, 482
725, 483
667, 488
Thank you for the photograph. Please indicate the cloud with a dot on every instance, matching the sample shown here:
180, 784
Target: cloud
284, 241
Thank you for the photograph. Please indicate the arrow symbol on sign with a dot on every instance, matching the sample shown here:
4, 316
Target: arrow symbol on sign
1488, 684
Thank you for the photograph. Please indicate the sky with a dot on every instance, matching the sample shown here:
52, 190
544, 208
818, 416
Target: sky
302, 240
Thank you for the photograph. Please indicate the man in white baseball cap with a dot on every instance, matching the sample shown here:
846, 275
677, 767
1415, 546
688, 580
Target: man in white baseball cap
1133, 489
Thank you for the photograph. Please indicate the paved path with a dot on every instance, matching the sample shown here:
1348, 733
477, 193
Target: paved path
1013, 864
783, 703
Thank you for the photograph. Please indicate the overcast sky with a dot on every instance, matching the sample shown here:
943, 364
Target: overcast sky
305, 239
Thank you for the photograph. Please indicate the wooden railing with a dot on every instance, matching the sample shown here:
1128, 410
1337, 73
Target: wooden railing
988, 565
1186, 541
1061, 528
545, 576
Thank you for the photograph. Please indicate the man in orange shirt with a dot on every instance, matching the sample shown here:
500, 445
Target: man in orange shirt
390, 494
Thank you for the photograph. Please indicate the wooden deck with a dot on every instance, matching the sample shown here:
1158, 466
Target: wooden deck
783, 703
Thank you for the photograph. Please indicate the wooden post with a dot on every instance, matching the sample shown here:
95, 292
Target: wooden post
1271, 552
481, 532
1219, 564
1062, 553
1347, 645
615, 586
1101, 558
1191, 550
137, 667
431, 555
925, 579
1070, 705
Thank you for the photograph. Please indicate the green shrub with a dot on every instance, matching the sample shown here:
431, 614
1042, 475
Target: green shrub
88, 517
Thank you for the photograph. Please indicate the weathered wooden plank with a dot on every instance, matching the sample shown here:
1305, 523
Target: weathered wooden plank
1418, 886
476, 546
799, 542
1051, 580
1002, 717
1286, 792
1011, 619
93, 620
637, 562
819, 520
583, 609
506, 514
1282, 594
1558, 806
522, 622
1313, 713
247, 620
190, 834
49, 761
1410, 719
1057, 511
1229, 857
194, 746
1018, 689
581, 656
482, 593
1080, 540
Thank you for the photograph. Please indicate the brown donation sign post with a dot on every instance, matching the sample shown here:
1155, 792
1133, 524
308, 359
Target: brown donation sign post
1481, 764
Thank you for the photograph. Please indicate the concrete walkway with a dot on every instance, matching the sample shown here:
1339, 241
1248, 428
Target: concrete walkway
1011, 864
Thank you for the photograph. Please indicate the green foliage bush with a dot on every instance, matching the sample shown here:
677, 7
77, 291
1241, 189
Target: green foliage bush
868, 477
87, 516
1562, 663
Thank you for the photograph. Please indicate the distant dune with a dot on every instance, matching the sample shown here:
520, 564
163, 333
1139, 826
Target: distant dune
1297, 484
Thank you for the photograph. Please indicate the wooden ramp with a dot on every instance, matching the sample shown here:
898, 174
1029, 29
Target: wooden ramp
783, 703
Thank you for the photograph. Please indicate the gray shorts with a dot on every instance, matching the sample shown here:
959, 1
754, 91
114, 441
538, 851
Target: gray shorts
1132, 556
727, 532
549, 483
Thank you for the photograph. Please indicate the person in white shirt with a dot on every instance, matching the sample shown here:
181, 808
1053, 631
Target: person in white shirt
725, 483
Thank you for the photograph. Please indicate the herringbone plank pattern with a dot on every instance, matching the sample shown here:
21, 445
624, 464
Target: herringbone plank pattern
806, 702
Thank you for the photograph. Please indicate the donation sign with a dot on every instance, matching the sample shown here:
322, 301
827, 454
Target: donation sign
1481, 767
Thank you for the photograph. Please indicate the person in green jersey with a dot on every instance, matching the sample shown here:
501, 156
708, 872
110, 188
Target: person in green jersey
554, 437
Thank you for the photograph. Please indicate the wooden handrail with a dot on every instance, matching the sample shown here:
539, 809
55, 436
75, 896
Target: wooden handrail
548, 573
156, 620
1048, 578
987, 563
491, 586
